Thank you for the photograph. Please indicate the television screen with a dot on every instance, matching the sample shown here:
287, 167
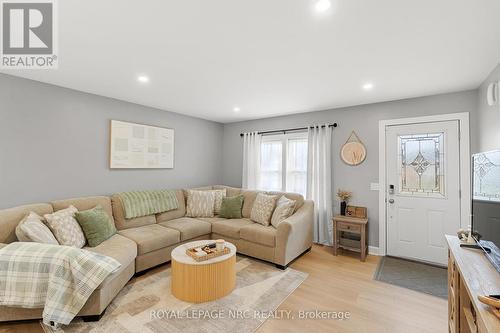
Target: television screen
486, 202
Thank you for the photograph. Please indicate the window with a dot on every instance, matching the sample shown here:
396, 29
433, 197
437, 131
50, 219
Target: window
270, 165
296, 167
283, 163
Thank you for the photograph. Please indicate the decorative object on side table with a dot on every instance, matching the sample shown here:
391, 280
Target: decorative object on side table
344, 196
462, 235
355, 211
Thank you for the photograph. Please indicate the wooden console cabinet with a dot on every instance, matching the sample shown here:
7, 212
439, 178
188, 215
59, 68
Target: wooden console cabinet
470, 274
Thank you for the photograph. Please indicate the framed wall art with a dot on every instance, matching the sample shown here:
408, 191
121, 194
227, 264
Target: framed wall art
137, 146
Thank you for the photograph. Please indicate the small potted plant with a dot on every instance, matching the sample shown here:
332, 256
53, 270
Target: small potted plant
344, 196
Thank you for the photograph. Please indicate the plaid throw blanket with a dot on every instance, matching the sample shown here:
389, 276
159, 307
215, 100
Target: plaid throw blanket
57, 278
142, 203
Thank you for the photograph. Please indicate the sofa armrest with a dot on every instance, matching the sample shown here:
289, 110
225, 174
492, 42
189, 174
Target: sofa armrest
295, 234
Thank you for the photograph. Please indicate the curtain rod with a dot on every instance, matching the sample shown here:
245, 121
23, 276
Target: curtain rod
291, 129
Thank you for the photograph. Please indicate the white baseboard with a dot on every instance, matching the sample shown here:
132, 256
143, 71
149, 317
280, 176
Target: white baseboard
373, 250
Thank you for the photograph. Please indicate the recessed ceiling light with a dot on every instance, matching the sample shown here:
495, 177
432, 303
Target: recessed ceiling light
143, 79
236, 109
368, 86
322, 5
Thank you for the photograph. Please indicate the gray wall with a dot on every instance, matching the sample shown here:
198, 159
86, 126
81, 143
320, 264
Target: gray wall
54, 144
488, 116
364, 120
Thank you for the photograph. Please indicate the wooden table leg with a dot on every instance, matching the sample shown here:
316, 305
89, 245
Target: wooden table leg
363, 243
335, 238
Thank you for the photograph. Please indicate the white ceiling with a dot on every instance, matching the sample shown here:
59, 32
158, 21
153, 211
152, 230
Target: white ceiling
272, 57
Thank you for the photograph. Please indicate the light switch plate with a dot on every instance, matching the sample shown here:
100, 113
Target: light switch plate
374, 187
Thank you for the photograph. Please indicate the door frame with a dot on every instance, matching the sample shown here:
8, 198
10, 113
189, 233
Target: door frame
465, 196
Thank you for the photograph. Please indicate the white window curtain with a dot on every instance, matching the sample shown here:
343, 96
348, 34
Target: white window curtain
251, 160
319, 181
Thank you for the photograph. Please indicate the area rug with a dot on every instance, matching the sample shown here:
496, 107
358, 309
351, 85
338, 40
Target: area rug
147, 306
413, 275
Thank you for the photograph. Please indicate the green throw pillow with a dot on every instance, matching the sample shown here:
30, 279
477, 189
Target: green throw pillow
96, 225
231, 207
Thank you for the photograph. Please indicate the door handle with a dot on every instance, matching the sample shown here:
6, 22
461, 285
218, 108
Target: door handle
391, 201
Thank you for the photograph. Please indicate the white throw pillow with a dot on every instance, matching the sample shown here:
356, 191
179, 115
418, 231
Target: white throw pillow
32, 229
219, 194
284, 209
200, 203
65, 227
263, 208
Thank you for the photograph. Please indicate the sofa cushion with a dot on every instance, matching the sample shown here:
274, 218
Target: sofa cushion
65, 227
176, 213
202, 188
211, 219
188, 227
231, 207
257, 233
200, 203
249, 198
96, 225
299, 199
263, 208
230, 228
118, 247
119, 214
230, 191
151, 237
32, 229
85, 203
219, 195
284, 208
10, 218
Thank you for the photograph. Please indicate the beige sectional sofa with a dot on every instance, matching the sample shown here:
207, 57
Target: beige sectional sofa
147, 241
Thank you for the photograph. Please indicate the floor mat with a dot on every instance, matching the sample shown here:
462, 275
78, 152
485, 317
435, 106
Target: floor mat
413, 275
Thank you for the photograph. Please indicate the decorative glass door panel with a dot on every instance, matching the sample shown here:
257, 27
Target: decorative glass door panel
421, 164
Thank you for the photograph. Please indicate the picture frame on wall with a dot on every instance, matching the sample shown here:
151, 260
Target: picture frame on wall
138, 146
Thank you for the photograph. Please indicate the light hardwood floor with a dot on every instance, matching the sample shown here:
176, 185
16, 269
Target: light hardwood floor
341, 283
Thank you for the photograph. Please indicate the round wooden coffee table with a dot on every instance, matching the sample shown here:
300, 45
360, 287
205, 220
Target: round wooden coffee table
202, 281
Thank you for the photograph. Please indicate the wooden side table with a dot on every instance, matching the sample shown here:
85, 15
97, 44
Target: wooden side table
353, 225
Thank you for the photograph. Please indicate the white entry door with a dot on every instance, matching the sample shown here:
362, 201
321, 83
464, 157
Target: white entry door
423, 194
